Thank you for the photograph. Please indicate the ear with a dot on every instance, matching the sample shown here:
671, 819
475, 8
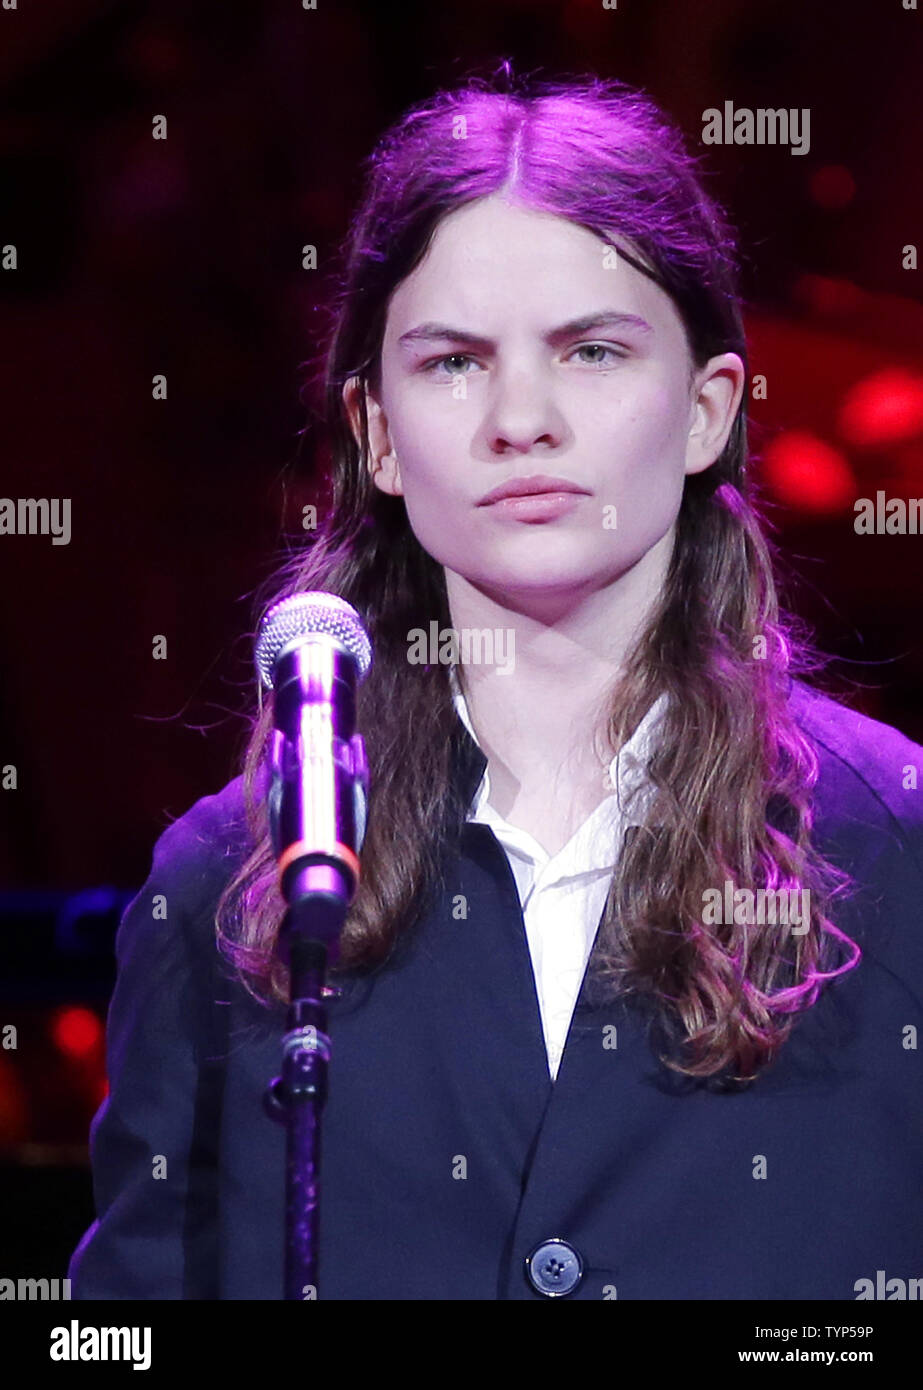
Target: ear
382, 464
719, 386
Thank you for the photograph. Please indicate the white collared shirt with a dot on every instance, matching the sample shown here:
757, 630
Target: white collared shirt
563, 895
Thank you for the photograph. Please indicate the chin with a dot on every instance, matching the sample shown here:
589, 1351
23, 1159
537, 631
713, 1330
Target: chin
544, 581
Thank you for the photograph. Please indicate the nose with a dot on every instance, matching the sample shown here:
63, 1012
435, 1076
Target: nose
522, 415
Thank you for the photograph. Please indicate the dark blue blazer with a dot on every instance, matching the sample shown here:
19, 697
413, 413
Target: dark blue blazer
448, 1155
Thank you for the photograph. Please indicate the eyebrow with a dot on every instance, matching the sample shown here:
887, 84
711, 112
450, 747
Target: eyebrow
443, 332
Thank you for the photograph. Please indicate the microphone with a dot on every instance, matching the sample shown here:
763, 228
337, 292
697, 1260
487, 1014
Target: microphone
312, 652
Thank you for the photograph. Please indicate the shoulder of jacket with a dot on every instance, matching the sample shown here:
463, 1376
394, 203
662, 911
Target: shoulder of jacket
199, 850
868, 769
170, 922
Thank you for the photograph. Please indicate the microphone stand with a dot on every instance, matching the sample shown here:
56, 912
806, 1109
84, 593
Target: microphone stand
297, 1098
316, 805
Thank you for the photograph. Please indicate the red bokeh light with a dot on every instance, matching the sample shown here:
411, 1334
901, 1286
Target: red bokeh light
884, 408
806, 473
77, 1031
832, 186
825, 294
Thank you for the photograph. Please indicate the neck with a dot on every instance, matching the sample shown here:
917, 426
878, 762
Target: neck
541, 715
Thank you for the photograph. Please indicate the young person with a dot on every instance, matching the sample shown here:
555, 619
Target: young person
627, 998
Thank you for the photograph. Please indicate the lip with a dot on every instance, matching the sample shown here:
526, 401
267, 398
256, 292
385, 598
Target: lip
536, 486
535, 506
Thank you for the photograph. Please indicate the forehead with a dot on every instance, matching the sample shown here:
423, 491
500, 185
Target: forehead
493, 265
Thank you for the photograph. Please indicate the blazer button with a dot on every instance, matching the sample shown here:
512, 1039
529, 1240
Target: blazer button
554, 1268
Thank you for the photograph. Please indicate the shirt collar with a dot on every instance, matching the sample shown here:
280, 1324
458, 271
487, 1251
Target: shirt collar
626, 770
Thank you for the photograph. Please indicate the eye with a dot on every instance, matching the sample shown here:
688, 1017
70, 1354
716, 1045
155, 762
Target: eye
600, 347
452, 357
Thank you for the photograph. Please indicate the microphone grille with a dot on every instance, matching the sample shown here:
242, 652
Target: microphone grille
302, 614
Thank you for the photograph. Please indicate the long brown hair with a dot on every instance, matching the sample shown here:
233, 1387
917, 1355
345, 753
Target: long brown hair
732, 770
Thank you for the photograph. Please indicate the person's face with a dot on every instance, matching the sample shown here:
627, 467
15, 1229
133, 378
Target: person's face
502, 390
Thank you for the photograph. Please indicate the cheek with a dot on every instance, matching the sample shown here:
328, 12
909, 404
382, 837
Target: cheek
433, 497
428, 434
645, 433
643, 443
436, 479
